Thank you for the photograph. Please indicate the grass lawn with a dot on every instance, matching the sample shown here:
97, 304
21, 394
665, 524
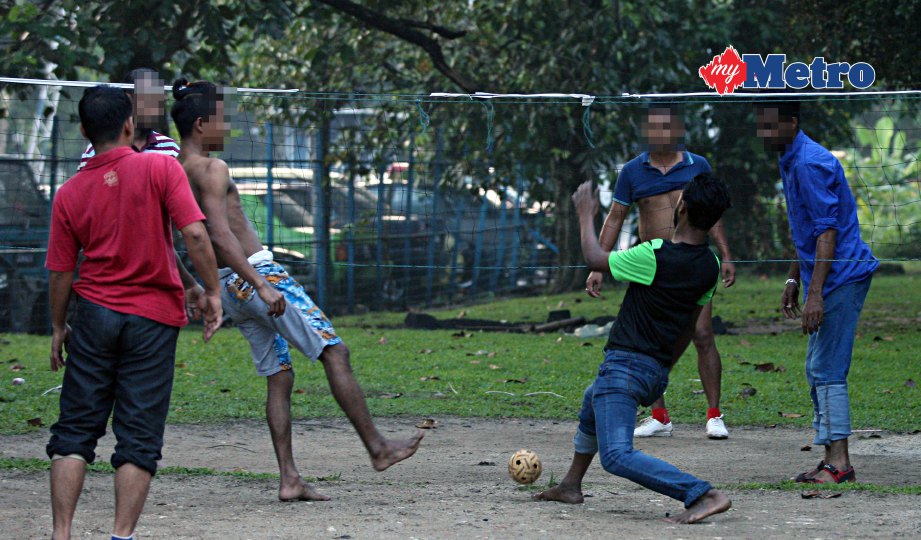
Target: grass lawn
490, 374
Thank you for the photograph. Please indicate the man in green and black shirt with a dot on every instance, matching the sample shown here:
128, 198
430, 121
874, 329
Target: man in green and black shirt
670, 282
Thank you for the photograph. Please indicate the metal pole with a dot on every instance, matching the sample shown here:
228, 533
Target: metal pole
319, 232
458, 214
516, 221
380, 231
55, 159
269, 199
350, 243
500, 255
409, 230
433, 220
478, 245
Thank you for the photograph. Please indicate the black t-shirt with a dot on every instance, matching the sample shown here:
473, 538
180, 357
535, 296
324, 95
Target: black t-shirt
667, 283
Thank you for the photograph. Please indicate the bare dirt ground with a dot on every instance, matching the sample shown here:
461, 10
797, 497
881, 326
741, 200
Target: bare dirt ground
457, 487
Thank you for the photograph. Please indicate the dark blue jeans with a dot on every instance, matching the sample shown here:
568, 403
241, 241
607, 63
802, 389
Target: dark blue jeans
121, 365
828, 361
608, 417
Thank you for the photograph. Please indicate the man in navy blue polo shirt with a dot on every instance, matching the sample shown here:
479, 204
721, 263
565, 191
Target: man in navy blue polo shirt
654, 181
835, 267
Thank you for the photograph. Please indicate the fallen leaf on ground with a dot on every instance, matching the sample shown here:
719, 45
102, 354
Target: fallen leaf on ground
390, 395
748, 392
769, 367
462, 314
430, 378
806, 448
482, 353
461, 334
745, 343
300, 391
487, 463
559, 339
585, 344
791, 415
427, 423
493, 366
383, 340
519, 381
181, 365
697, 392
474, 362
37, 421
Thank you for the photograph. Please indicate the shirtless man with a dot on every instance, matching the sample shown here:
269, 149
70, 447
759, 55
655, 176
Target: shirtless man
654, 181
270, 308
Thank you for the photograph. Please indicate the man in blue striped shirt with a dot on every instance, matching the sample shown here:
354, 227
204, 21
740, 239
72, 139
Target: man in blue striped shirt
149, 110
835, 267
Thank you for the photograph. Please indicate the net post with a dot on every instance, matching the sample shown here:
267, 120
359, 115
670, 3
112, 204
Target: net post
319, 230
269, 199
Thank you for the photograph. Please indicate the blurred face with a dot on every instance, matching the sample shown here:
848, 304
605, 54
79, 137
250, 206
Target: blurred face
663, 130
149, 101
216, 128
776, 132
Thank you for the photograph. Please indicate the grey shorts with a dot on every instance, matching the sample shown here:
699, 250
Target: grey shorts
303, 324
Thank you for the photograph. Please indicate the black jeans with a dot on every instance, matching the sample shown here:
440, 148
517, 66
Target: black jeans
121, 362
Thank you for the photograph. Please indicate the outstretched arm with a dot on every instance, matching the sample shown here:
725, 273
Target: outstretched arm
610, 230
586, 201
213, 187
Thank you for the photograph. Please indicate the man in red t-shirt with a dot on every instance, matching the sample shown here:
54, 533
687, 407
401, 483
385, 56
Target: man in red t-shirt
129, 307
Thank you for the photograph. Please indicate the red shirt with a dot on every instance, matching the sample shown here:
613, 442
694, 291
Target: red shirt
118, 211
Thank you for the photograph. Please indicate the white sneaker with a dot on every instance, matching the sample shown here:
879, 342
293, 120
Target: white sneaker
650, 427
716, 429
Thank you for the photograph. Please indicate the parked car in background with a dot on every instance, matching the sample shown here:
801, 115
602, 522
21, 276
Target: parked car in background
24, 217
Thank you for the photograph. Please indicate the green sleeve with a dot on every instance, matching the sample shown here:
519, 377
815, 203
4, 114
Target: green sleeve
637, 264
705, 299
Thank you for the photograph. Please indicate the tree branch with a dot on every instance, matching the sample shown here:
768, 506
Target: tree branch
402, 29
442, 31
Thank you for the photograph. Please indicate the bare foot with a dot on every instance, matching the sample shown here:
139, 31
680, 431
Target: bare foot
712, 502
396, 451
301, 491
560, 494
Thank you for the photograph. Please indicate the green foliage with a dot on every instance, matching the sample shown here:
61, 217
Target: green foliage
885, 173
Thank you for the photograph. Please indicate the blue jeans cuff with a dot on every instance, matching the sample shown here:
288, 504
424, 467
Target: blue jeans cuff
697, 493
585, 444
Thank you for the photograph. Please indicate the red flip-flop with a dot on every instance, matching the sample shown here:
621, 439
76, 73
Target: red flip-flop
805, 477
838, 477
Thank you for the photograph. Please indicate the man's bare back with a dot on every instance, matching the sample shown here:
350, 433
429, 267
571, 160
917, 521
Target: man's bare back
211, 182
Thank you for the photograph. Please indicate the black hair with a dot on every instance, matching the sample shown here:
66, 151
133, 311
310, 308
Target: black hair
672, 109
103, 111
786, 108
134, 75
193, 101
706, 198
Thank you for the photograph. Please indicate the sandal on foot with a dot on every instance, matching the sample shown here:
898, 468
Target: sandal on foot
807, 476
838, 477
